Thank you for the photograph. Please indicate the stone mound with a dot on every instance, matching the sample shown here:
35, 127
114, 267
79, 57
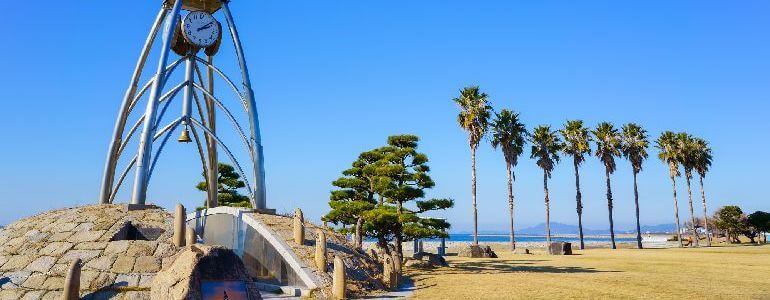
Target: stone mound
121, 251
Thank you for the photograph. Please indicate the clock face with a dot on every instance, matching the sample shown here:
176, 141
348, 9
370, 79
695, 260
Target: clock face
200, 29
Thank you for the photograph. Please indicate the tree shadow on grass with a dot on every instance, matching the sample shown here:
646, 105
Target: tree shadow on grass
512, 266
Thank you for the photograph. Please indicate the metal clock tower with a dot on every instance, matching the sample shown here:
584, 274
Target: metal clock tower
191, 30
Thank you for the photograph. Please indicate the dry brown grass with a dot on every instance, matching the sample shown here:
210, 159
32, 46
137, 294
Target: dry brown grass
727, 272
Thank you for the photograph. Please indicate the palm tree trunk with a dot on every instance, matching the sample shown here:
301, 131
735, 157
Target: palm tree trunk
473, 196
547, 211
705, 215
510, 203
692, 213
638, 227
609, 208
579, 200
676, 213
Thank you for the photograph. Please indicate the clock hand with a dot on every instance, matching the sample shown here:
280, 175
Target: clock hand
205, 26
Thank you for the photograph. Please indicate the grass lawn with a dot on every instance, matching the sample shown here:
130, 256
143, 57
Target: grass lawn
734, 272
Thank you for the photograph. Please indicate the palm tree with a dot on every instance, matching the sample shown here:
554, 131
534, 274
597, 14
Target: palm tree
545, 148
702, 165
688, 160
634, 147
669, 153
576, 144
474, 119
509, 133
607, 148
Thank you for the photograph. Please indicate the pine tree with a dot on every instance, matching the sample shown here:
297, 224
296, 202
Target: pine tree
228, 183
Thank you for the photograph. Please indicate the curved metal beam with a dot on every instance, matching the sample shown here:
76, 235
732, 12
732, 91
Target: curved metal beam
133, 161
256, 139
230, 155
109, 165
139, 194
160, 148
225, 78
168, 96
229, 116
169, 71
203, 160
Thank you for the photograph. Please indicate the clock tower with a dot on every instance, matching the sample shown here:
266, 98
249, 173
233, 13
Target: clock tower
192, 33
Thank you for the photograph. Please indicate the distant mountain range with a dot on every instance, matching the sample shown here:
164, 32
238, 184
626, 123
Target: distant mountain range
561, 228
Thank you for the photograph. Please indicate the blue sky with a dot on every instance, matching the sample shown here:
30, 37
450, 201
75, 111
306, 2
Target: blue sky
333, 79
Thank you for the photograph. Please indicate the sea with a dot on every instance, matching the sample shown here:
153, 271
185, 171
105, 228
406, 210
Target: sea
467, 237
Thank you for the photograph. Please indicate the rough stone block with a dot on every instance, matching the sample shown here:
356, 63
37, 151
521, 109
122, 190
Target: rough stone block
560, 248
11, 294
102, 263
42, 264
16, 262
477, 251
86, 236
123, 264
53, 283
147, 264
126, 280
141, 248
52, 295
117, 247
165, 250
56, 248
91, 246
60, 236
83, 255
15, 279
35, 281
103, 279
33, 295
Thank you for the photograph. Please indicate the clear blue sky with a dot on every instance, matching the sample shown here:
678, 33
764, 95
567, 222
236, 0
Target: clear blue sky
336, 78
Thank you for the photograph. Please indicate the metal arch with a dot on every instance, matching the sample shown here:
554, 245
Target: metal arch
229, 154
168, 96
133, 161
259, 166
139, 194
200, 154
120, 123
124, 141
160, 148
229, 116
226, 79
169, 71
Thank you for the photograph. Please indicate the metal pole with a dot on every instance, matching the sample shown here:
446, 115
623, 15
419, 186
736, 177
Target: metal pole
188, 92
139, 194
120, 123
211, 144
256, 139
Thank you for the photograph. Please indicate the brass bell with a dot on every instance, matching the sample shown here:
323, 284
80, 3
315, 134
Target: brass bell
185, 136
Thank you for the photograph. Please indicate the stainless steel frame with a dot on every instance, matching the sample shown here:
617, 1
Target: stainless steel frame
144, 161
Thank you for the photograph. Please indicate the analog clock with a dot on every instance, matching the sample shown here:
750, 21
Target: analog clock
200, 29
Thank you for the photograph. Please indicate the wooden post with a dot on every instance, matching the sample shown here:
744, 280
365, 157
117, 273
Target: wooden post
388, 272
72, 282
190, 238
397, 268
320, 250
299, 227
338, 282
179, 225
